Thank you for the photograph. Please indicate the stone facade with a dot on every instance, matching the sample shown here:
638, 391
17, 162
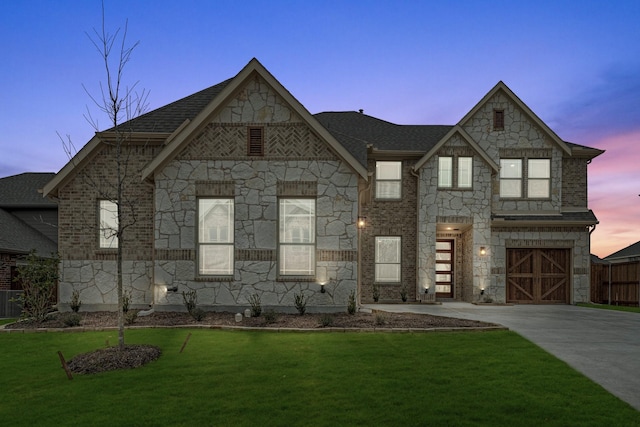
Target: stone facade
213, 157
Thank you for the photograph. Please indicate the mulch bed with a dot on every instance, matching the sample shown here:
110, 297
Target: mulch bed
133, 356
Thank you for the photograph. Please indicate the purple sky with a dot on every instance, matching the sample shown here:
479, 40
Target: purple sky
576, 64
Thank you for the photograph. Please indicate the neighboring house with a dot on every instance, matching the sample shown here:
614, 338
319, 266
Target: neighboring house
27, 222
242, 191
629, 254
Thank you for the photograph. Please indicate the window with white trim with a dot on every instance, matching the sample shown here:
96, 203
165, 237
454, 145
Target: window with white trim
108, 211
463, 172
510, 178
215, 236
536, 185
297, 237
445, 172
387, 256
388, 180
538, 178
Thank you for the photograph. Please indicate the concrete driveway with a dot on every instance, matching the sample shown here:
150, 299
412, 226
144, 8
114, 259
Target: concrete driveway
604, 345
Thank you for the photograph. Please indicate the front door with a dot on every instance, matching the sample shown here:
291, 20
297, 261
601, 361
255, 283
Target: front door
444, 268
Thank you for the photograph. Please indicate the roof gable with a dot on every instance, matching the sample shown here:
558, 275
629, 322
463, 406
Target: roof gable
216, 106
628, 252
467, 138
500, 86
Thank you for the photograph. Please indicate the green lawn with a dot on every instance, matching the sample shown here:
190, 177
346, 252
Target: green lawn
226, 378
611, 307
6, 321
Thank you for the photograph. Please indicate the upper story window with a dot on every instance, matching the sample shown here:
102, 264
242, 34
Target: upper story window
464, 175
388, 180
498, 119
108, 211
297, 237
388, 258
255, 141
538, 178
215, 236
511, 178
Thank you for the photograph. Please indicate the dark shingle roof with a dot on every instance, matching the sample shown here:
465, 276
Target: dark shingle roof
167, 119
628, 252
21, 191
16, 236
357, 130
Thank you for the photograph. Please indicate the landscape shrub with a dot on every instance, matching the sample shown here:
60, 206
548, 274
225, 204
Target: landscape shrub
300, 303
38, 277
256, 305
75, 302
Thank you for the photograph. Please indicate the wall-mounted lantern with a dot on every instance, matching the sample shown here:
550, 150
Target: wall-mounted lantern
483, 251
362, 222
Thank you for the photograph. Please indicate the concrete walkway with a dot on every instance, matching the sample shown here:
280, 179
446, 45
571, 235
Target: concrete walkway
604, 345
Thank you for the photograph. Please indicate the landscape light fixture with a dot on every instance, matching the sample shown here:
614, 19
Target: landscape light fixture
173, 288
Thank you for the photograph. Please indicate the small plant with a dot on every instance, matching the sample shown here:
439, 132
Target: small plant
376, 292
380, 319
198, 314
351, 305
75, 302
488, 300
71, 319
256, 305
270, 316
404, 293
190, 300
126, 301
300, 303
326, 320
130, 317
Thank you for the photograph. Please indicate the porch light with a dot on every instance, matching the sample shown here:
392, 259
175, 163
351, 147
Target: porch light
426, 290
362, 221
481, 291
322, 289
483, 250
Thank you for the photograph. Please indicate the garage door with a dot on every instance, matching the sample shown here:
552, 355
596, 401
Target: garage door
538, 276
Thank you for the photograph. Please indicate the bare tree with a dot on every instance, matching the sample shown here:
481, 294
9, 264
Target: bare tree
120, 103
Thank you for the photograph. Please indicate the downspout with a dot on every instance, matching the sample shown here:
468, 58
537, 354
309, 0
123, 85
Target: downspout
417, 284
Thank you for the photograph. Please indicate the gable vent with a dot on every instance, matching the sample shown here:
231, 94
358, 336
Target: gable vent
255, 143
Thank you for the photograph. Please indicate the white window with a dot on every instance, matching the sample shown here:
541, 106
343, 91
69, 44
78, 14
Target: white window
108, 224
445, 172
465, 172
510, 178
388, 180
387, 254
297, 237
538, 178
215, 236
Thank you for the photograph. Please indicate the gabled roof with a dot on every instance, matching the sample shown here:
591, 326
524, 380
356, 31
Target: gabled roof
500, 86
628, 252
358, 131
457, 130
222, 98
21, 191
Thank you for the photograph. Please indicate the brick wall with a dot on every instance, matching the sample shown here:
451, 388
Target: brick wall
6, 262
390, 218
78, 206
574, 182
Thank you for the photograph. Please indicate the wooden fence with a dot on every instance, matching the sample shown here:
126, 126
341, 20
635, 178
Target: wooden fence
7, 307
616, 284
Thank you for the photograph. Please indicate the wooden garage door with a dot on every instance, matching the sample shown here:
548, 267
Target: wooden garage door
538, 276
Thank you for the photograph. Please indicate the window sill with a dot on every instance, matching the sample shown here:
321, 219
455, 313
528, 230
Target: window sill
213, 279
296, 279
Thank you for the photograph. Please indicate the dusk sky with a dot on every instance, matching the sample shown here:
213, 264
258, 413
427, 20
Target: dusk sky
576, 64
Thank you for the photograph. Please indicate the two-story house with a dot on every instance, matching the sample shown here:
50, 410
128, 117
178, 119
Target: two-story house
239, 190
